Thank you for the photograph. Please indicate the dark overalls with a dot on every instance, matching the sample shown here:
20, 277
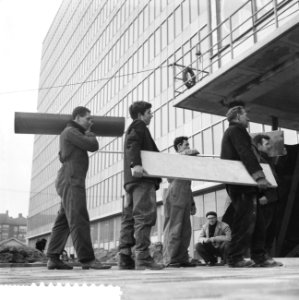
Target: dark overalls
73, 216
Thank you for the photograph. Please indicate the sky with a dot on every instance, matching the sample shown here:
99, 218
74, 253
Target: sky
23, 26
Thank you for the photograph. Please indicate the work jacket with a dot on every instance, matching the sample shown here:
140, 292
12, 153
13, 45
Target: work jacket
74, 143
222, 234
137, 138
237, 145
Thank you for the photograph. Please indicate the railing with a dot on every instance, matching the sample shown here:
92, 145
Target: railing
252, 29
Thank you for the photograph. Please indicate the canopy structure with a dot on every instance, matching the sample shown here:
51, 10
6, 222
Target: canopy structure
265, 77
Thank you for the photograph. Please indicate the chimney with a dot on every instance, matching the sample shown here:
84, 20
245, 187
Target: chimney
7, 212
20, 216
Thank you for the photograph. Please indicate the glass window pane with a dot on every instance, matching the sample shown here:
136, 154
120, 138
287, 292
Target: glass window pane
170, 27
178, 21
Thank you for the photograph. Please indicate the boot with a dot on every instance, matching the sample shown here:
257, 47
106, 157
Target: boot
241, 264
125, 262
94, 264
147, 264
54, 263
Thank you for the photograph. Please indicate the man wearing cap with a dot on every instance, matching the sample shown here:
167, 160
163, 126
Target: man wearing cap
214, 238
248, 229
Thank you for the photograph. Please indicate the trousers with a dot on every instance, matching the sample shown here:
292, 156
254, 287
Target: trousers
138, 217
248, 228
72, 219
177, 225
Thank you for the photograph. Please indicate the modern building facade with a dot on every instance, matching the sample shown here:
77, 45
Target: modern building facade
107, 54
13, 227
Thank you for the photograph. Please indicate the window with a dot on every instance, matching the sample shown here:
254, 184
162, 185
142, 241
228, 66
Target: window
163, 35
186, 14
157, 82
164, 120
151, 86
178, 21
140, 23
157, 118
194, 10
157, 42
170, 27
151, 48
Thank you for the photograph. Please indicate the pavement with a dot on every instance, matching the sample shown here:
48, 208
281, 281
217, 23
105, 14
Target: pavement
202, 282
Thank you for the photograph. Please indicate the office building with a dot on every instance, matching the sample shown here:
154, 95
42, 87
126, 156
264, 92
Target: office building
107, 54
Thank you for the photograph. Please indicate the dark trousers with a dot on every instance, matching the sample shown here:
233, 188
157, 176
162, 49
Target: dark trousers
139, 215
209, 253
177, 234
269, 212
72, 219
248, 228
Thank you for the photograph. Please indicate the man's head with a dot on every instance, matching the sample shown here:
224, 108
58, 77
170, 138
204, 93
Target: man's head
237, 113
262, 142
181, 143
141, 110
211, 217
81, 115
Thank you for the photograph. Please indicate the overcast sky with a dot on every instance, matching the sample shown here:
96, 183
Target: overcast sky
23, 26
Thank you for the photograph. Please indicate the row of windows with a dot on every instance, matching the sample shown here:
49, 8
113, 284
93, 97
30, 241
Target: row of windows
157, 41
108, 190
41, 199
102, 41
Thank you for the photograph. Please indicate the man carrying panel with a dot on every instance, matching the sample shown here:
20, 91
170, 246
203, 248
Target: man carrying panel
248, 229
178, 206
140, 209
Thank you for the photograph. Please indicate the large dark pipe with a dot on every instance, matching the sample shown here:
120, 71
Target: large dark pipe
42, 123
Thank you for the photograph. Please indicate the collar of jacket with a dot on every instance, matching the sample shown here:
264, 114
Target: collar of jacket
233, 123
76, 125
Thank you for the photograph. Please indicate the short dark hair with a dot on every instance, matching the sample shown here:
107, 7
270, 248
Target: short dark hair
234, 109
138, 107
258, 139
81, 111
211, 213
179, 140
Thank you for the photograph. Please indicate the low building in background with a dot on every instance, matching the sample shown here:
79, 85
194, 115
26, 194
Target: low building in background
13, 227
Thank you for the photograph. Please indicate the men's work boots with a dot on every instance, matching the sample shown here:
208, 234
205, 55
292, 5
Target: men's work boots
94, 264
125, 262
268, 263
147, 264
242, 264
55, 263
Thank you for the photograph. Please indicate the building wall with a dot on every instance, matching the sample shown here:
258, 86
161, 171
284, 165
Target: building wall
105, 55
13, 227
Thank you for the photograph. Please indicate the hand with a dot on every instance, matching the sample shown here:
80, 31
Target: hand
89, 133
138, 171
263, 200
191, 152
263, 183
193, 210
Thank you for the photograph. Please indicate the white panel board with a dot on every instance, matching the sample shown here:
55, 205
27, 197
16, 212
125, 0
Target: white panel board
200, 168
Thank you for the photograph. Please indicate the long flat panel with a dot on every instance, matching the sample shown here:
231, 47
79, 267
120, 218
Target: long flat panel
200, 168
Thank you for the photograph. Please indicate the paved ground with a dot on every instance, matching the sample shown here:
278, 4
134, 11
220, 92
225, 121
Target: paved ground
197, 283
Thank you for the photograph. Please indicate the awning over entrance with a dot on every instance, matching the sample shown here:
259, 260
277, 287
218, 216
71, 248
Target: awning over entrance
265, 77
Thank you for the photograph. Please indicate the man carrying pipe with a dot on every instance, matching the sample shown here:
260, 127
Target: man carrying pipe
75, 140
